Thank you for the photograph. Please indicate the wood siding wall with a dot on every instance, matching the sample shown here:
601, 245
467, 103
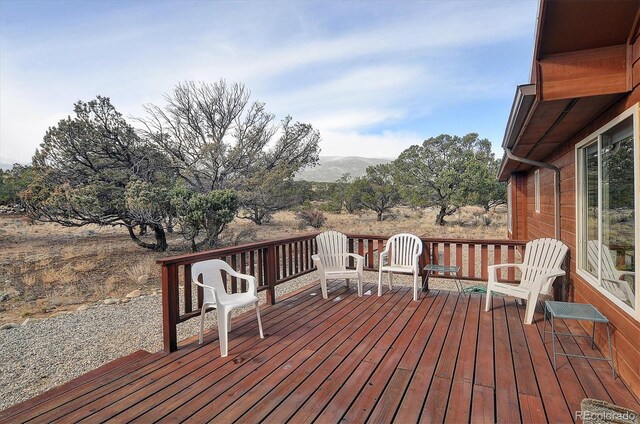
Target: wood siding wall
518, 206
626, 329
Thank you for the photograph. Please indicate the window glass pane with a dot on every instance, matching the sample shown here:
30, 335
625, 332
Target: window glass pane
590, 206
618, 221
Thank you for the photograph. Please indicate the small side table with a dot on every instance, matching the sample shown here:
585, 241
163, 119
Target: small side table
577, 311
433, 269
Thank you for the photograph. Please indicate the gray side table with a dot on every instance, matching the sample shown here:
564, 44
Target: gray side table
577, 311
435, 269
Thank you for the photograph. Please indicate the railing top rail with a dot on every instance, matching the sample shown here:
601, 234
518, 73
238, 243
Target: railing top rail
504, 242
216, 253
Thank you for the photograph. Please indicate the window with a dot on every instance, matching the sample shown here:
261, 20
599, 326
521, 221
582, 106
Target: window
509, 209
537, 189
607, 201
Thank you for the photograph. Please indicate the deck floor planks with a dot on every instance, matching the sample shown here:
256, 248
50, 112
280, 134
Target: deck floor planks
364, 403
483, 394
81, 394
459, 404
528, 391
345, 357
321, 348
416, 393
556, 408
334, 382
590, 382
167, 389
360, 359
435, 405
507, 404
113, 367
140, 386
390, 399
620, 394
271, 348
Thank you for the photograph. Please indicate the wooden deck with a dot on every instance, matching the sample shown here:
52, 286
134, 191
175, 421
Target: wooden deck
348, 359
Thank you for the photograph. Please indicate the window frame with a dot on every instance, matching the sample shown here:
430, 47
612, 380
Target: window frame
580, 148
536, 182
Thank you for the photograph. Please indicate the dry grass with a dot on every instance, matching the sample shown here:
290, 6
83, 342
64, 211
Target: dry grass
54, 268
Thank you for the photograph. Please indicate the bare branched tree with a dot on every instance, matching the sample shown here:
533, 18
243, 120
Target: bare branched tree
216, 139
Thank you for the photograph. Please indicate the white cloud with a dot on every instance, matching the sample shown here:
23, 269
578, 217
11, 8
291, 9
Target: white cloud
356, 77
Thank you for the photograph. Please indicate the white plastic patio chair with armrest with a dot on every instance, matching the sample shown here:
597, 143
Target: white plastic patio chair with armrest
216, 296
542, 263
332, 259
612, 277
401, 255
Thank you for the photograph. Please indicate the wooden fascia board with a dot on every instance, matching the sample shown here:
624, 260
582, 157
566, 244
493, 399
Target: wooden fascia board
584, 73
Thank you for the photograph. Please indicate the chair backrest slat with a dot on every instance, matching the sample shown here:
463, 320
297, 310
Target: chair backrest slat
403, 249
332, 248
541, 256
211, 272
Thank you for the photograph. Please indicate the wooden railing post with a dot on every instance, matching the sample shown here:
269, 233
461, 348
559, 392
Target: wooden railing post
271, 266
170, 307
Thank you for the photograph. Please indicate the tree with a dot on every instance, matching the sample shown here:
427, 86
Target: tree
377, 190
346, 194
12, 182
215, 139
448, 172
267, 192
95, 169
487, 192
203, 215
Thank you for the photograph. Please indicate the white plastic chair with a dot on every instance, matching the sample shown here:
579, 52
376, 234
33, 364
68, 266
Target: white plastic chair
540, 267
331, 260
401, 255
612, 277
215, 296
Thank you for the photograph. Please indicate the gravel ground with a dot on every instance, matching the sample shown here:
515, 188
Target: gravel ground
41, 354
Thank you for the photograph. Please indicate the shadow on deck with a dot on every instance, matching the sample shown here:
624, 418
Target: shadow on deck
349, 359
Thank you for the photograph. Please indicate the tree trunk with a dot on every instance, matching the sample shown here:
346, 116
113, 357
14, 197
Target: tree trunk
441, 214
380, 216
161, 241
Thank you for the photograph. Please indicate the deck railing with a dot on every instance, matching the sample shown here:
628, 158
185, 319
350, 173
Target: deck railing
277, 261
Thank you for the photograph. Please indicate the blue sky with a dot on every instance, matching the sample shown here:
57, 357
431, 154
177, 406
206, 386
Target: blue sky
374, 77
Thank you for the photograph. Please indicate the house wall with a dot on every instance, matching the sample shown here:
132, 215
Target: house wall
518, 206
625, 329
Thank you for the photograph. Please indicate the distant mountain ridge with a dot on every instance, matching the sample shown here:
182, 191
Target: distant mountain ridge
331, 168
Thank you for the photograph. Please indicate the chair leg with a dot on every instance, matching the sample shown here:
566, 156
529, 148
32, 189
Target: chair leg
229, 321
259, 320
415, 286
531, 308
487, 302
204, 310
380, 282
359, 285
390, 280
346, 282
223, 332
323, 286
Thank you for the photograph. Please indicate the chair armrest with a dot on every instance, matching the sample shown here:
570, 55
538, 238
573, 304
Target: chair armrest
252, 287
545, 280
205, 287
493, 275
496, 266
383, 256
359, 260
318, 262
416, 261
